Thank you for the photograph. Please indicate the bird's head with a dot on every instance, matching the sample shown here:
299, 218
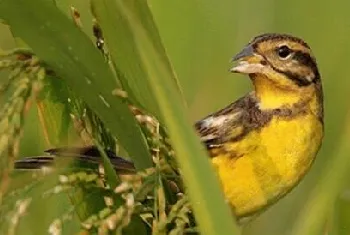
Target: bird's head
278, 64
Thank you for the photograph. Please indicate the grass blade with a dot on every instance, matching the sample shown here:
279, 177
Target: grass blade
123, 49
211, 211
70, 53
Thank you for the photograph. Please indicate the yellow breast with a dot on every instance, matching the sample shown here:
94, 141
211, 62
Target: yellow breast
270, 162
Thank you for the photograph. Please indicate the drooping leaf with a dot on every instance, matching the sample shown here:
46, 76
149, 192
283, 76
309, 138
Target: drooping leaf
70, 53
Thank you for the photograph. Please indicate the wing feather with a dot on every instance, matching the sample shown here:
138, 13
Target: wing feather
228, 124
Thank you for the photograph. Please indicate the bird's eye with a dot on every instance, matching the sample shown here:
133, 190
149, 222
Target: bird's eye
283, 51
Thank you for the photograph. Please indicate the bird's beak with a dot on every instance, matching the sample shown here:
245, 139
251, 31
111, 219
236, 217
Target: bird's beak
248, 61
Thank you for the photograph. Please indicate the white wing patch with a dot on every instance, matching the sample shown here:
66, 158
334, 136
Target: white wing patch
215, 122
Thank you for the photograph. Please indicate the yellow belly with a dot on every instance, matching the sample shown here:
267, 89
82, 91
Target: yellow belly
271, 162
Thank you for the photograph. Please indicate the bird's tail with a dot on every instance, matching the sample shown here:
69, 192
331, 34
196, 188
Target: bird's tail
89, 154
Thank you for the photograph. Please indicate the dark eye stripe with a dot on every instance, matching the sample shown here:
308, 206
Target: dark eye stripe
299, 80
305, 59
308, 61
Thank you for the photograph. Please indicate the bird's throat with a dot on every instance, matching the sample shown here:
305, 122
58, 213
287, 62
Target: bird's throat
273, 96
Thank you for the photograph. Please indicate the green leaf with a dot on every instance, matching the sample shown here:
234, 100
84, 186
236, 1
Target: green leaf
53, 112
212, 213
70, 53
122, 45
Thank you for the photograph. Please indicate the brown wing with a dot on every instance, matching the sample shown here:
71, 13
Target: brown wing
229, 124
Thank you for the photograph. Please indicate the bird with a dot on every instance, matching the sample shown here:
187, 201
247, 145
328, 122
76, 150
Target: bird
261, 145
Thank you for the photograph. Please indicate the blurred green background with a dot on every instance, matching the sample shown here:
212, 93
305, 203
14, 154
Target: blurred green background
202, 36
